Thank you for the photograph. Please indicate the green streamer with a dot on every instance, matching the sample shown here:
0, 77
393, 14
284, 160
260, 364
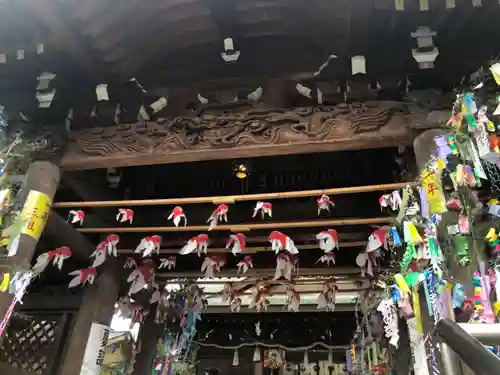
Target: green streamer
404, 202
461, 246
412, 279
408, 256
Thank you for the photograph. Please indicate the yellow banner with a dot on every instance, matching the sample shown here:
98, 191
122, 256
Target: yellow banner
431, 182
35, 214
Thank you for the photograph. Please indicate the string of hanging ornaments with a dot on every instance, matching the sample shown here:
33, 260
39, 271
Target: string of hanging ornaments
447, 221
21, 212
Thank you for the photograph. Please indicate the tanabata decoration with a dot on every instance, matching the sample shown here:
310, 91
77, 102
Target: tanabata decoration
176, 215
104, 248
168, 263
218, 215
148, 245
324, 203
57, 256
265, 208
326, 299
18, 285
198, 243
280, 241
130, 263
237, 242
260, 294
328, 240
124, 215
461, 247
392, 201
76, 216
83, 277
285, 264
244, 265
231, 295
140, 277
129, 309
327, 258
292, 298
213, 264
389, 316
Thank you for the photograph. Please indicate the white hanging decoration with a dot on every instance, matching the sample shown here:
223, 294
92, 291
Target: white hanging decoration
40, 48
118, 111
143, 115
43, 94
358, 65
256, 94
101, 92
426, 53
230, 54
133, 79
258, 330
306, 358
386, 307
202, 99
256, 354
158, 105
3, 58
324, 65
303, 90
20, 54
69, 120
236, 358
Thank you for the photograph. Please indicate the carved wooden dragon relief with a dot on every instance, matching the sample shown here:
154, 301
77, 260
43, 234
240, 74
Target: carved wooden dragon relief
239, 128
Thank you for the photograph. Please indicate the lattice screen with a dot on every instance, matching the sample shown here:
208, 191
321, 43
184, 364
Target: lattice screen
30, 346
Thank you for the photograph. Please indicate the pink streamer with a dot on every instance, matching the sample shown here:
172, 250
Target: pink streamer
6, 318
485, 294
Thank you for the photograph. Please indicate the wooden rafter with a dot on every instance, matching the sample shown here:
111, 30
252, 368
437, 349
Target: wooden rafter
236, 198
244, 227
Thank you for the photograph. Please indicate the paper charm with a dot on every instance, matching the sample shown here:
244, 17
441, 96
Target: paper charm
176, 215
392, 200
168, 263
454, 204
130, 263
378, 239
285, 264
389, 314
56, 256
238, 242
198, 243
411, 234
76, 216
328, 240
148, 245
324, 203
140, 277
265, 208
99, 254
212, 264
124, 215
244, 265
219, 214
326, 299
327, 258
280, 241
260, 294
292, 299
83, 276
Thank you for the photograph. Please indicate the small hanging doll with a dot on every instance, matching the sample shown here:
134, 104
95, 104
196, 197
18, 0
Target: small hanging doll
148, 245
83, 277
265, 208
327, 258
328, 240
280, 241
244, 265
198, 243
212, 264
168, 263
176, 215
57, 256
237, 242
124, 215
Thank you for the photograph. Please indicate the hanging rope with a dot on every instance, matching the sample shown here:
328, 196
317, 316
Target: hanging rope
287, 348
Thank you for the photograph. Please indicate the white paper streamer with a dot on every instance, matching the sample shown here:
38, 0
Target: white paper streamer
418, 349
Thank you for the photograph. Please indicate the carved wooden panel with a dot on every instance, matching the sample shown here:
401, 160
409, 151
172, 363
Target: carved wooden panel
32, 344
222, 133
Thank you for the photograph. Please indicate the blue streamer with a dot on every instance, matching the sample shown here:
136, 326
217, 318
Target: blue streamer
395, 237
458, 297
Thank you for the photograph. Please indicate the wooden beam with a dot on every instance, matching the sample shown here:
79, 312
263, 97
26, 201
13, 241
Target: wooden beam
342, 272
247, 133
64, 35
243, 227
277, 308
236, 198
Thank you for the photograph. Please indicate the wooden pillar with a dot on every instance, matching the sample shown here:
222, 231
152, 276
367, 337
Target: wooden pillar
98, 306
148, 337
42, 176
